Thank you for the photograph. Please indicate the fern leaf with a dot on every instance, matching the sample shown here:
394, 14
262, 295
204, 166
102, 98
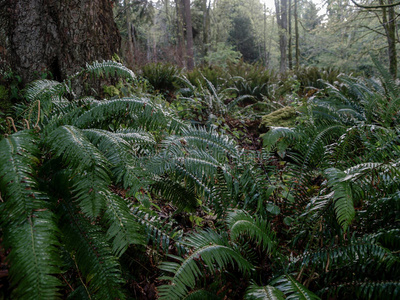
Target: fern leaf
88, 247
123, 230
172, 191
118, 152
264, 293
109, 68
201, 139
18, 185
160, 233
240, 223
201, 295
34, 257
294, 289
213, 250
342, 197
90, 184
137, 112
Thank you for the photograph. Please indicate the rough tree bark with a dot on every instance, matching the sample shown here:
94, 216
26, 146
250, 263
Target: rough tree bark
59, 36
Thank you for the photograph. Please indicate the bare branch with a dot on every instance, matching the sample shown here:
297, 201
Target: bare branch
375, 6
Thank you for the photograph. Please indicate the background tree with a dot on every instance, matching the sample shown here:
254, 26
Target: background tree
281, 19
189, 35
388, 21
242, 37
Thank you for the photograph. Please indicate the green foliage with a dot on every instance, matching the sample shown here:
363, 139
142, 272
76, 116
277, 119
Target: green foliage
29, 227
214, 250
223, 55
251, 79
264, 292
75, 211
101, 192
314, 78
163, 77
240, 223
293, 289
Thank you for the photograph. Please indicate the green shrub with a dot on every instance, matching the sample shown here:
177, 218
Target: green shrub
163, 77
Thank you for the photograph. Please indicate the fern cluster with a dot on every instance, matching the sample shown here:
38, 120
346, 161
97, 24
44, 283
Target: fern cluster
91, 188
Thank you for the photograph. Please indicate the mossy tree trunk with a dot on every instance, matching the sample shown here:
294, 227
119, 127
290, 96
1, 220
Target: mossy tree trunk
59, 36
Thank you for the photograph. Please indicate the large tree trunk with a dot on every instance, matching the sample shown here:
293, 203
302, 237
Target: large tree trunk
281, 18
59, 36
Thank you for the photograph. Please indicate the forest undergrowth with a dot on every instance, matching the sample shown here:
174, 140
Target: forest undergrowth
212, 184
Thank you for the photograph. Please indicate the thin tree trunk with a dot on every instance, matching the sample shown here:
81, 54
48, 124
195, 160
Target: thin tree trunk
281, 18
296, 30
206, 26
189, 36
388, 20
265, 36
270, 44
180, 34
290, 35
129, 42
391, 38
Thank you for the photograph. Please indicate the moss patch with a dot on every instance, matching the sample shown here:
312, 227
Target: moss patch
283, 117
111, 91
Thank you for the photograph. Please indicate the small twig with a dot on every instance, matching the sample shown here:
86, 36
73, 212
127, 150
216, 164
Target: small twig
12, 123
301, 273
327, 264
67, 283
38, 116
27, 124
80, 278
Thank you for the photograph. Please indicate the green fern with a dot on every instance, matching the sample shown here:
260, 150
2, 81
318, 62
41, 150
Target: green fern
201, 295
294, 289
342, 197
91, 180
264, 292
29, 226
108, 69
34, 256
240, 222
124, 230
160, 232
213, 250
19, 187
88, 247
